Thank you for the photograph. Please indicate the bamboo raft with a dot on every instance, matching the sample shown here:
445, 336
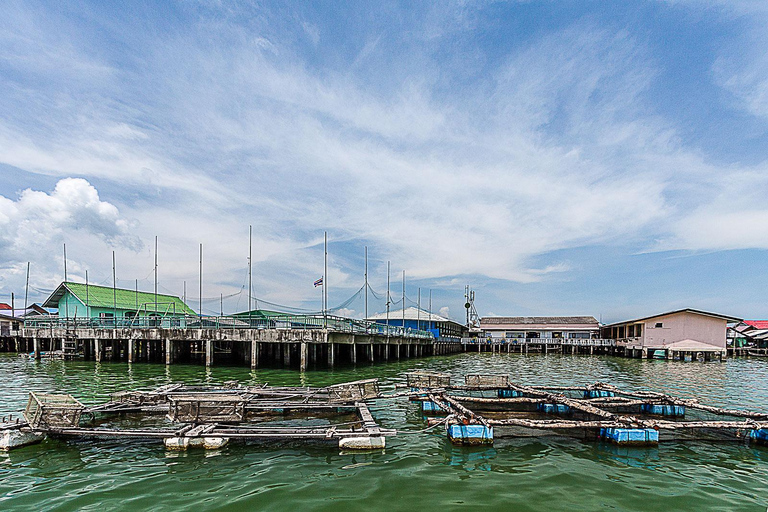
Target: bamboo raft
184, 416
596, 412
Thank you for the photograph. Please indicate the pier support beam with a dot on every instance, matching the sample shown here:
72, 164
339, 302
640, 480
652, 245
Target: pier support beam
303, 356
286, 353
36, 347
208, 352
98, 346
168, 351
370, 352
131, 350
331, 354
254, 355
353, 353
386, 352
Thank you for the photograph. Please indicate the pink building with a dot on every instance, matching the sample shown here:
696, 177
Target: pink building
673, 335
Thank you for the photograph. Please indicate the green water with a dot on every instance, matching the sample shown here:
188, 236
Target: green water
416, 472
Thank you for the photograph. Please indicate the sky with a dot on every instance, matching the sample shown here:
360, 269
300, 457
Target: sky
561, 158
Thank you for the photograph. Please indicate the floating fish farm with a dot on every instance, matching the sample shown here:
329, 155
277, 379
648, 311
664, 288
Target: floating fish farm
474, 412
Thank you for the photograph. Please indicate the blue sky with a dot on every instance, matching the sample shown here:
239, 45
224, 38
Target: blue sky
604, 158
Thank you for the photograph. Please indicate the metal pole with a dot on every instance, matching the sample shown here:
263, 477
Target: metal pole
66, 304
387, 299
155, 275
87, 297
114, 291
418, 311
136, 295
403, 302
325, 283
13, 306
201, 286
221, 305
26, 291
250, 272
366, 282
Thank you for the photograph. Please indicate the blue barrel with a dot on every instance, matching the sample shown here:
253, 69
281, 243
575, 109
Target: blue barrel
663, 410
630, 436
428, 406
553, 408
760, 436
509, 393
598, 393
469, 434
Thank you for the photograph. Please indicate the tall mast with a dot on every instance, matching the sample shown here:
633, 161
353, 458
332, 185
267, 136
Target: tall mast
418, 311
114, 292
403, 301
201, 286
66, 304
366, 281
325, 281
26, 291
155, 275
87, 297
387, 299
250, 269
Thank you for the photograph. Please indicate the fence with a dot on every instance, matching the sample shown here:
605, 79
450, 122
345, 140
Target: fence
540, 341
332, 323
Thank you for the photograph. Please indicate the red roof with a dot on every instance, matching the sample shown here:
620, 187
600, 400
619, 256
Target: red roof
3, 305
757, 324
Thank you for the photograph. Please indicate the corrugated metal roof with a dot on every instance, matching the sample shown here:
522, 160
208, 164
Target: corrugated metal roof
686, 310
538, 320
757, 324
102, 297
411, 313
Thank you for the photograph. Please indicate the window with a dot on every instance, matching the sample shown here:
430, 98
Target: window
639, 330
659, 325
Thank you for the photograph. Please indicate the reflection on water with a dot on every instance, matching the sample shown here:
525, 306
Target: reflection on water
421, 471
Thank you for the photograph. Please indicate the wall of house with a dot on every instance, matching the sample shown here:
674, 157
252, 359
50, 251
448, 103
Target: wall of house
71, 307
684, 326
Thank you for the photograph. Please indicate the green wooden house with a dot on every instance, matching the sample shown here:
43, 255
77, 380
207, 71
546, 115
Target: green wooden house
103, 305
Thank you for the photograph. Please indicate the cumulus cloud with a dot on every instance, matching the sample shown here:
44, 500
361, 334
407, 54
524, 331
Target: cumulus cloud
33, 226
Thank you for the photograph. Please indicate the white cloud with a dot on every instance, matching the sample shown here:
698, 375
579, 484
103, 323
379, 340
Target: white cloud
554, 146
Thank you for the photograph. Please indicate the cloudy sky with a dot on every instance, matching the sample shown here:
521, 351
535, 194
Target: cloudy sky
604, 158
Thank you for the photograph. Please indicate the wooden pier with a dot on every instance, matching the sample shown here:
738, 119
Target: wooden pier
581, 346
289, 347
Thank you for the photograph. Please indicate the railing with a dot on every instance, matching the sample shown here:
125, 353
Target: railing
305, 322
597, 342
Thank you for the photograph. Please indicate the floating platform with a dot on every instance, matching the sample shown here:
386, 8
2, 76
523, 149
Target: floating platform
596, 412
209, 417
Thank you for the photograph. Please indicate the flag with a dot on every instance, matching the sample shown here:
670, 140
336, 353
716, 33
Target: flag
319, 282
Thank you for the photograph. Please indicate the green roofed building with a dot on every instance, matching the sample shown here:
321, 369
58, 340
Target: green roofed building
107, 305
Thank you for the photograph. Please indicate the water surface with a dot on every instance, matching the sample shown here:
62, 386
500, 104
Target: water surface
417, 471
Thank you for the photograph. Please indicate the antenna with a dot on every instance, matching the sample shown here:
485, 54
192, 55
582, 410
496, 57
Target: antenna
87, 297
469, 305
